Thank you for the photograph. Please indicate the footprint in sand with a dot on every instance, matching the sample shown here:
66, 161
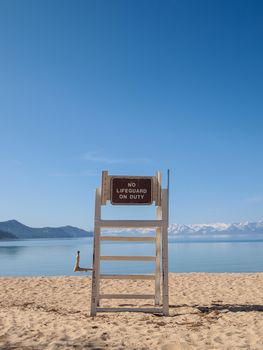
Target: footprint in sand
175, 346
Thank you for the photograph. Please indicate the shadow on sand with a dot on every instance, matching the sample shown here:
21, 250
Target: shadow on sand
222, 307
230, 308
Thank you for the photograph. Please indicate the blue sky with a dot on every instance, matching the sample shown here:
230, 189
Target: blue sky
132, 87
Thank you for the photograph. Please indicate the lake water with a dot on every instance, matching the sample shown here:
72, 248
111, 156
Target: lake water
57, 256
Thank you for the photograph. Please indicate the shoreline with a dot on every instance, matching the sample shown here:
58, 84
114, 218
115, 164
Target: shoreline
207, 311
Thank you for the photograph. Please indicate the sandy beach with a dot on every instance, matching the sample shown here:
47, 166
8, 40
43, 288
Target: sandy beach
207, 311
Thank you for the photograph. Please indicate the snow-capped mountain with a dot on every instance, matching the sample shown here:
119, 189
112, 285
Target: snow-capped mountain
207, 231
217, 229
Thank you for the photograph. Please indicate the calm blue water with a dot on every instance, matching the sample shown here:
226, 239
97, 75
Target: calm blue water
57, 256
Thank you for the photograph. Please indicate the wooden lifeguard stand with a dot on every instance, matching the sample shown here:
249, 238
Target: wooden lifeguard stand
133, 190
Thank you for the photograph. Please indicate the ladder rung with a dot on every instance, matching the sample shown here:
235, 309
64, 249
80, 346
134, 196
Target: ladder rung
127, 238
128, 309
127, 277
130, 223
126, 296
120, 257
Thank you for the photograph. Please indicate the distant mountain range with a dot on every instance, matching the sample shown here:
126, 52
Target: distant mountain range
217, 229
13, 229
235, 231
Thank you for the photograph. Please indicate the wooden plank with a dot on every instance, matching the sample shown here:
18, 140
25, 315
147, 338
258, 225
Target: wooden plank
158, 177
78, 268
127, 238
96, 255
158, 240
128, 277
126, 296
165, 253
158, 266
105, 187
126, 257
129, 309
131, 223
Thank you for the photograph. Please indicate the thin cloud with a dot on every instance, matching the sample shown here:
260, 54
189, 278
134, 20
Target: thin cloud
255, 199
79, 174
96, 157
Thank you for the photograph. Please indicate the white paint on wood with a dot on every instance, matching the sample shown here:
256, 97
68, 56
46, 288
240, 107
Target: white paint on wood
130, 309
131, 223
128, 277
158, 267
165, 253
96, 254
127, 257
105, 186
77, 268
126, 296
128, 238
158, 177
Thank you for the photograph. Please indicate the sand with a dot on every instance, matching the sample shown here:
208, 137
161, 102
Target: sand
207, 311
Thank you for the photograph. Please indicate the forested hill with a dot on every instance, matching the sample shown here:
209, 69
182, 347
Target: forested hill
6, 235
17, 230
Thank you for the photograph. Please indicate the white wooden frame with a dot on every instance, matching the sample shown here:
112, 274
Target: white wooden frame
161, 198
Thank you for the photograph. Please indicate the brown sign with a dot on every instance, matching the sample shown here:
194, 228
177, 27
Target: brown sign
131, 190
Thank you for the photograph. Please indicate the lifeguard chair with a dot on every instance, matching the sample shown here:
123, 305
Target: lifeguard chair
132, 190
